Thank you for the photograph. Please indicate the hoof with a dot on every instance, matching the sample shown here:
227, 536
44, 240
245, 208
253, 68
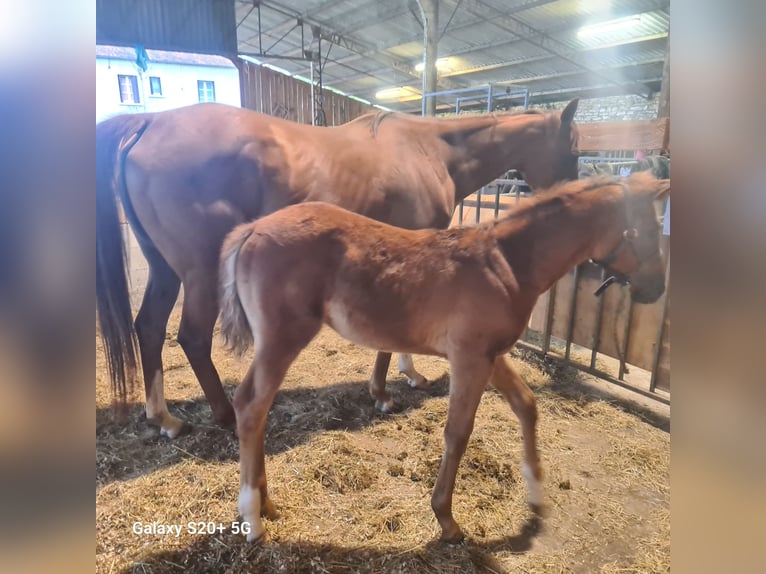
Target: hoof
386, 407
170, 426
538, 509
257, 540
452, 538
269, 511
421, 383
225, 418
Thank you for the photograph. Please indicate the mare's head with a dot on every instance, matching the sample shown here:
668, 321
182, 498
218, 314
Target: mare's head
634, 254
555, 153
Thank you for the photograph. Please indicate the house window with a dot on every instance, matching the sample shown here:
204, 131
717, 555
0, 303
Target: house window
206, 90
128, 89
155, 86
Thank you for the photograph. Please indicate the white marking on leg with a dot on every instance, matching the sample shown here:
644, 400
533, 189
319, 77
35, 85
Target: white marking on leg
157, 408
250, 510
407, 367
386, 407
155, 400
534, 489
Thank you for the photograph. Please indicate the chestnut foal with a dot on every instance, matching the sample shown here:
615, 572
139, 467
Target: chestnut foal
465, 294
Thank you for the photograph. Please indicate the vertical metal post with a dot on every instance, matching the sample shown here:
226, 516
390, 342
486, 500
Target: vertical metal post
460, 213
489, 97
429, 10
660, 333
624, 353
497, 201
526, 99
597, 330
457, 106
549, 309
478, 204
572, 311
260, 39
313, 99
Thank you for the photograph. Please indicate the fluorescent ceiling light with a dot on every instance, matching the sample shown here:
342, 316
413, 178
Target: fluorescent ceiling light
441, 64
398, 93
608, 26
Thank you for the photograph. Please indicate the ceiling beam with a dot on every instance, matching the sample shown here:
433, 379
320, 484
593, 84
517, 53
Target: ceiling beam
544, 41
533, 59
353, 44
520, 61
523, 82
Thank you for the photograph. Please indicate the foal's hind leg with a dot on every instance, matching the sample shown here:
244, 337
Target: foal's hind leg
252, 402
510, 384
195, 335
152, 319
407, 367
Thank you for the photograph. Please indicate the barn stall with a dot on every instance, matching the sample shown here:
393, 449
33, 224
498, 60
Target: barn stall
353, 486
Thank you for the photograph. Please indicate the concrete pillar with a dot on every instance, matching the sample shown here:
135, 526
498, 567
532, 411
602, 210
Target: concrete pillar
430, 11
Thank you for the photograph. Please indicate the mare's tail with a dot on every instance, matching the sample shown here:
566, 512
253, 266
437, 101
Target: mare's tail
114, 139
235, 328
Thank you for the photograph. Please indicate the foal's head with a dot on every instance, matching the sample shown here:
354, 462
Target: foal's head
556, 154
635, 256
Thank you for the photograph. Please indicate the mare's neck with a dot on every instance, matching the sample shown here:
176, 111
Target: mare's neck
483, 147
545, 240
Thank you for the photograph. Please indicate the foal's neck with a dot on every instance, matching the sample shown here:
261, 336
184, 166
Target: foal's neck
481, 148
549, 237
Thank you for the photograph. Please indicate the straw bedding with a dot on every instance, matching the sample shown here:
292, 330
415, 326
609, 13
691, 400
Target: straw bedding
353, 486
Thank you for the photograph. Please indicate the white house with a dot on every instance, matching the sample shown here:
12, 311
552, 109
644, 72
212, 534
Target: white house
171, 80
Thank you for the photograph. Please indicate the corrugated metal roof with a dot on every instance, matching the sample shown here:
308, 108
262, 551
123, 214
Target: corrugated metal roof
532, 42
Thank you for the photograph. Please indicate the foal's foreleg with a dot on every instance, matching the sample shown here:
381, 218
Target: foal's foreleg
510, 384
469, 376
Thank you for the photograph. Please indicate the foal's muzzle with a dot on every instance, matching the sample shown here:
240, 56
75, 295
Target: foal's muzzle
646, 292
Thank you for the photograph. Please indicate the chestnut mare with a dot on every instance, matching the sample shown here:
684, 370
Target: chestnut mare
186, 177
465, 294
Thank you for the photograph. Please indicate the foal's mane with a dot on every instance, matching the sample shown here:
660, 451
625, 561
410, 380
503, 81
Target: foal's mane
554, 198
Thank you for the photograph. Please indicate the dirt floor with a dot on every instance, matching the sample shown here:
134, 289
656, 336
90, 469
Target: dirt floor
353, 486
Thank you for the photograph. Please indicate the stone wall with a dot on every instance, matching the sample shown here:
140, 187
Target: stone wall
609, 109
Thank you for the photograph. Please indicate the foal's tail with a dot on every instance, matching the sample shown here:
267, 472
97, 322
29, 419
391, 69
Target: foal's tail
114, 139
235, 328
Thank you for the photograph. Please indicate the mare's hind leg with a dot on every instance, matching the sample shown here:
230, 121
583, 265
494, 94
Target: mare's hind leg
252, 401
152, 319
195, 335
510, 384
407, 367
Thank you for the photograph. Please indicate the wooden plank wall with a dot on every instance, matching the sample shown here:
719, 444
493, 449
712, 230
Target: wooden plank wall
619, 136
267, 91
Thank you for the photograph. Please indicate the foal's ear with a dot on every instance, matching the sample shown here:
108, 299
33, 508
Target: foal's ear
569, 112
